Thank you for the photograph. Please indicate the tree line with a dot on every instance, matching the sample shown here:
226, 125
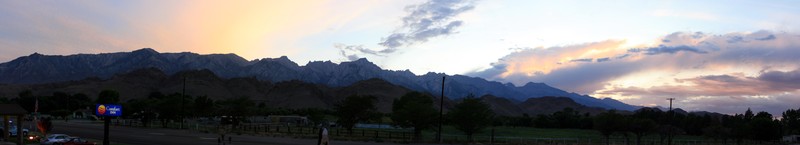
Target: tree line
417, 111
761, 126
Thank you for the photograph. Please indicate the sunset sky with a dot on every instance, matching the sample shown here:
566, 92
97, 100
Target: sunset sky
722, 56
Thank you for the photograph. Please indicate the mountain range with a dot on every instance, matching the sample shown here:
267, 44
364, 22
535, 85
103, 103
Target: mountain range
41, 69
293, 94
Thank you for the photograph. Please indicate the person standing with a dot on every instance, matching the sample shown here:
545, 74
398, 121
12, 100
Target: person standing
323, 136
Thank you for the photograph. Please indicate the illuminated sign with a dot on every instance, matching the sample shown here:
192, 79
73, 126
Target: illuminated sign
108, 110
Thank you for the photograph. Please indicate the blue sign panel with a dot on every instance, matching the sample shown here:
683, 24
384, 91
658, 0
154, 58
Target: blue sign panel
108, 110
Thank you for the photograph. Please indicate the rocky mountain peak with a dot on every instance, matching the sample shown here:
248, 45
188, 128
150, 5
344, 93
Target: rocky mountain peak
146, 50
361, 62
35, 54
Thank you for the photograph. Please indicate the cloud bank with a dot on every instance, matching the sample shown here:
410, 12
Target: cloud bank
427, 20
705, 70
424, 21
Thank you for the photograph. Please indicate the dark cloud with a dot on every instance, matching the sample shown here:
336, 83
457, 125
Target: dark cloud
496, 69
350, 57
622, 56
769, 37
782, 80
736, 39
582, 60
428, 20
603, 59
344, 49
667, 49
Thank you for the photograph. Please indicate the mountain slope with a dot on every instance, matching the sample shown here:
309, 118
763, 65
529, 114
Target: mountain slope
549, 105
37, 68
291, 94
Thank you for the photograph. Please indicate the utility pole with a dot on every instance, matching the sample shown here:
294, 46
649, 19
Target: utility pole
670, 103
669, 138
441, 113
183, 95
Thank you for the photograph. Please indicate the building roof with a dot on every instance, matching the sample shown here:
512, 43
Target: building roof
12, 109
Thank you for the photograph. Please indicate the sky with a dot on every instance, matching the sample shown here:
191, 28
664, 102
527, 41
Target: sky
721, 56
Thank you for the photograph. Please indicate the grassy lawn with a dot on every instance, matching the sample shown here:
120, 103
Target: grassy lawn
528, 132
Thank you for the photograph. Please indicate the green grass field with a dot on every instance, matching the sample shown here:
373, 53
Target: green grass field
529, 132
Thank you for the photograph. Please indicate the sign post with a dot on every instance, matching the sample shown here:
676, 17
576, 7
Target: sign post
107, 111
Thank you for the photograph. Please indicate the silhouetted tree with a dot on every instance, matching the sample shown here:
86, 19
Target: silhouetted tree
108, 97
764, 128
567, 118
142, 109
641, 127
238, 108
748, 115
524, 121
791, 119
204, 106
80, 101
355, 109
544, 121
26, 100
471, 116
168, 108
414, 110
607, 123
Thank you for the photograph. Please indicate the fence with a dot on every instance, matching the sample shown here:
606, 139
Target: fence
406, 136
359, 134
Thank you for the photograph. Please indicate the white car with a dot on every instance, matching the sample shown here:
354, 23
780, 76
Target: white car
13, 130
55, 139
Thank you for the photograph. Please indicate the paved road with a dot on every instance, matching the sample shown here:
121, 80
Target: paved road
149, 136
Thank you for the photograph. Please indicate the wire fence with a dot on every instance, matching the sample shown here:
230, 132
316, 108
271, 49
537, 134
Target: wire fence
407, 135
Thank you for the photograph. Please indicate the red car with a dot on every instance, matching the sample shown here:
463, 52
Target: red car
78, 141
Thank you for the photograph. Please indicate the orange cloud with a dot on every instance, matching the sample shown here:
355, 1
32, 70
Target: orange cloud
591, 67
532, 61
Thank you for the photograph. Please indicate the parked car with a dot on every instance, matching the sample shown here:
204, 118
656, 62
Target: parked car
13, 130
78, 141
55, 139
